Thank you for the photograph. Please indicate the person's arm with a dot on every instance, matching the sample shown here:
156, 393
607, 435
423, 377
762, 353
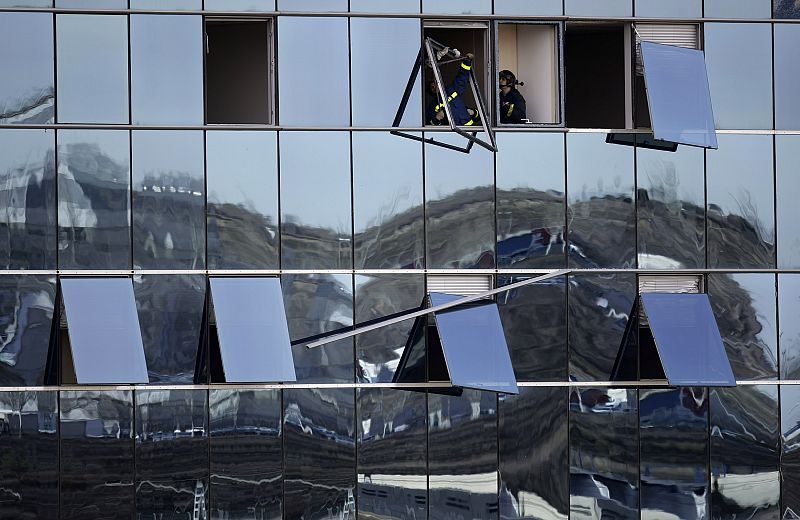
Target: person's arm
515, 110
461, 82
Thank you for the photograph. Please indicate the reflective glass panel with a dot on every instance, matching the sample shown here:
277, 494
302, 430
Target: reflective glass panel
534, 480
242, 176
671, 208
316, 230
171, 318
384, 6
535, 324
671, 9
104, 330
740, 54
599, 306
302, 101
239, 5
475, 348
378, 295
319, 453
673, 433
178, 5
741, 225
27, 199
519, 7
601, 213
744, 306
787, 76
92, 70
246, 454
597, 7
378, 83
26, 3
317, 303
253, 335
457, 6
312, 5
462, 455
392, 454
787, 168
737, 8
459, 204
678, 96
789, 309
745, 452
688, 340
96, 455
102, 4
530, 200
603, 452
29, 461
171, 453
94, 183
790, 459
26, 322
387, 202
26, 92
168, 203
166, 68
785, 9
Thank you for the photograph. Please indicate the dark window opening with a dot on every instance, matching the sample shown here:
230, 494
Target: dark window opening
530, 52
239, 72
596, 73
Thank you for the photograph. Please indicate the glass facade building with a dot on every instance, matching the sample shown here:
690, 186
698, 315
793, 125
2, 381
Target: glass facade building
126, 153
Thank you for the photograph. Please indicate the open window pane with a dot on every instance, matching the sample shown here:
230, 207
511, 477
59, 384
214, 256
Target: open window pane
474, 345
238, 72
253, 335
688, 340
677, 91
531, 53
104, 330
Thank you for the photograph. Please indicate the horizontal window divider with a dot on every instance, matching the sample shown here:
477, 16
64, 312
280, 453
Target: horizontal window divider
398, 386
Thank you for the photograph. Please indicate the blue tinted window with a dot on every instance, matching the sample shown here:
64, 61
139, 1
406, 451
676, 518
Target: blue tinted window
457, 6
306, 64
166, 69
597, 7
102, 4
26, 59
26, 321
177, 5
785, 9
316, 220
475, 346
384, 6
26, 3
242, 178
741, 225
387, 202
378, 83
27, 199
678, 96
600, 188
239, 5
789, 336
787, 173
790, 456
253, 337
688, 339
168, 203
104, 330
94, 192
787, 76
737, 8
518, 7
312, 5
740, 54
531, 203
671, 9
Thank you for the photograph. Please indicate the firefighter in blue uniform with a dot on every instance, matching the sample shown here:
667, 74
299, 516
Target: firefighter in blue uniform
463, 116
512, 104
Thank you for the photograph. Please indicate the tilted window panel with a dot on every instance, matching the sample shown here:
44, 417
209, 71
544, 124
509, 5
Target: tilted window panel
252, 330
687, 339
104, 332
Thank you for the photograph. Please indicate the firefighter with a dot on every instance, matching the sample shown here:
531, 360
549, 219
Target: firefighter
512, 104
462, 115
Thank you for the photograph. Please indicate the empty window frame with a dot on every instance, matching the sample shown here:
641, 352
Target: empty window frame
105, 340
239, 71
532, 53
672, 335
251, 330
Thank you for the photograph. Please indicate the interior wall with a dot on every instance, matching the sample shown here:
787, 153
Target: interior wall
538, 69
238, 73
